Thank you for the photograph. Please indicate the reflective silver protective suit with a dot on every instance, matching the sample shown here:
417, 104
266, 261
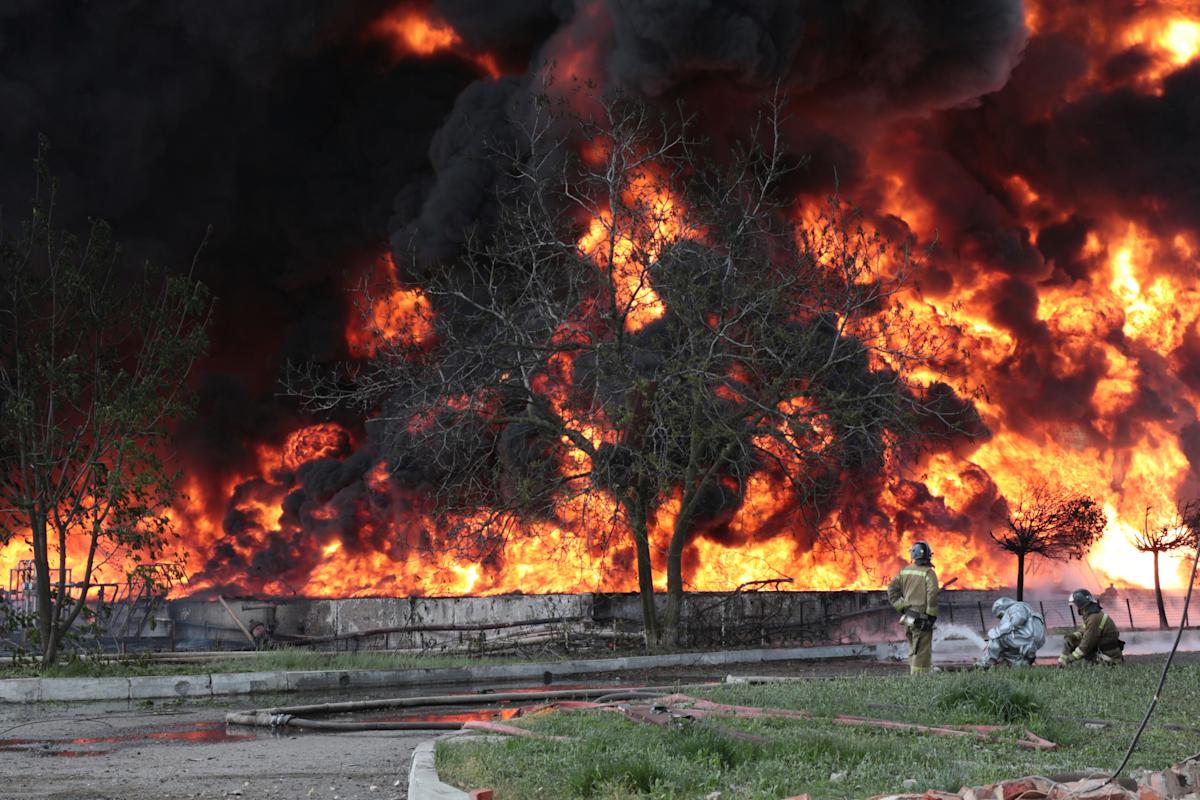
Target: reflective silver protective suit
1018, 636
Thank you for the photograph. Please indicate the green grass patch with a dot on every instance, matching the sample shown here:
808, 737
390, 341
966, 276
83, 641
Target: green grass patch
629, 774
977, 695
266, 661
609, 757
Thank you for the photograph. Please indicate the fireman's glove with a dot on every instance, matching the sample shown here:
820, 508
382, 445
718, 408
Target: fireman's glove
992, 634
1063, 661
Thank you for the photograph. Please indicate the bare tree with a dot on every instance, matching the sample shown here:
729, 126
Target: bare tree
1051, 522
639, 331
1162, 538
92, 363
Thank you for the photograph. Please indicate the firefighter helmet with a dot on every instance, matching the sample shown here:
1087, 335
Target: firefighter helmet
1081, 598
920, 551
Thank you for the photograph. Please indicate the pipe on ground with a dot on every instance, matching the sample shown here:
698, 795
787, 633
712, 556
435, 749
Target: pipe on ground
289, 716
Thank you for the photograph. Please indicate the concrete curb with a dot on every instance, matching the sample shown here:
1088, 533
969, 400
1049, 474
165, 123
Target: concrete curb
153, 687
423, 781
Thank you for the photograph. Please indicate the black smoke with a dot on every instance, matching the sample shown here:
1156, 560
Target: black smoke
310, 149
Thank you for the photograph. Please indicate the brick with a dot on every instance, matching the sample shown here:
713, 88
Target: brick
1189, 775
1067, 790
1044, 785
1145, 792
481, 794
1167, 784
989, 791
1110, 792
1024, 788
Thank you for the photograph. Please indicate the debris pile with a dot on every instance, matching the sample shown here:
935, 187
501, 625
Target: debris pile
1180, 782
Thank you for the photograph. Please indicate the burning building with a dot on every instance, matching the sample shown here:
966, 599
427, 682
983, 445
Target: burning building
1045, 148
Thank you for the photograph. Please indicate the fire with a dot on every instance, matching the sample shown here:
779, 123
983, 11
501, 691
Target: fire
321, 511
418, 34
630, 249
316, 441
394, 318
1177, 39
395, 545
399, 318
415, 31
1182, 40
1156, 307
630, 278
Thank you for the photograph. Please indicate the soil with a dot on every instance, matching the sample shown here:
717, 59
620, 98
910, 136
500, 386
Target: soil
172, 750
122, 751
177, 750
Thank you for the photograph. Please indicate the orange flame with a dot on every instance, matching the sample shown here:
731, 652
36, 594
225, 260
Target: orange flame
415, 31
612, 243
395, 317
1134, 308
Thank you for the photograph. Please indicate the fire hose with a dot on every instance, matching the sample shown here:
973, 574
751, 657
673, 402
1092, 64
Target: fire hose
290, 716
671, 704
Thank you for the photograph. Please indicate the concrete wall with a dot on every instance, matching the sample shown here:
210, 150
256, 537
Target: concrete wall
317, 618
745, 619
719, 619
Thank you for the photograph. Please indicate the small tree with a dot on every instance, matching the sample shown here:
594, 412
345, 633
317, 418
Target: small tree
92, 361
1051, 522
644, 329
1163, 538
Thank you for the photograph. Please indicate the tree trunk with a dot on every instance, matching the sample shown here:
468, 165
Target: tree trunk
670, 625
645, 570
1162, 610
1020, 576
47, 632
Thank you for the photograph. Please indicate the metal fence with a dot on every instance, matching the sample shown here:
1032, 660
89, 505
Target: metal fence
1130, 609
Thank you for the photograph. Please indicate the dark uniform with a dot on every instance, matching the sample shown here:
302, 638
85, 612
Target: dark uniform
1097, 640
914, 593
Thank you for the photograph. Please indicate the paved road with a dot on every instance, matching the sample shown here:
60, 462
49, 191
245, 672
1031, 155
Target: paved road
182, 749
121, 751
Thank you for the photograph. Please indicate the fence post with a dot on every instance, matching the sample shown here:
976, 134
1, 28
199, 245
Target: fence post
952, 611
1129, 608
982, 624
1071, 608
1042, 606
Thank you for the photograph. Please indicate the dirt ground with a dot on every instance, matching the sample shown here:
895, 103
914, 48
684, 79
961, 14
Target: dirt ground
172, 750
122, 751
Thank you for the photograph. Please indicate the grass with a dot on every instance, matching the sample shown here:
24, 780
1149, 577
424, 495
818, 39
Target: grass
610, 757
273, 660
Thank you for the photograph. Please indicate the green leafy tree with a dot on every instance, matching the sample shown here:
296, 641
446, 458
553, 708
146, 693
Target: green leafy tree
93, 359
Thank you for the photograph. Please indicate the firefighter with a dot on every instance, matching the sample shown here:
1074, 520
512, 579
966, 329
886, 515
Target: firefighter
914, 593
1015, 641
1097, 639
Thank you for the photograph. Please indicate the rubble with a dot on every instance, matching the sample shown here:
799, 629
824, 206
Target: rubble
1180, 782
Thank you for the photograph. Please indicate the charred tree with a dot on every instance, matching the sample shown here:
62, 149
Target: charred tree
1162, 538
640, 330
92, 366
1051, 522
